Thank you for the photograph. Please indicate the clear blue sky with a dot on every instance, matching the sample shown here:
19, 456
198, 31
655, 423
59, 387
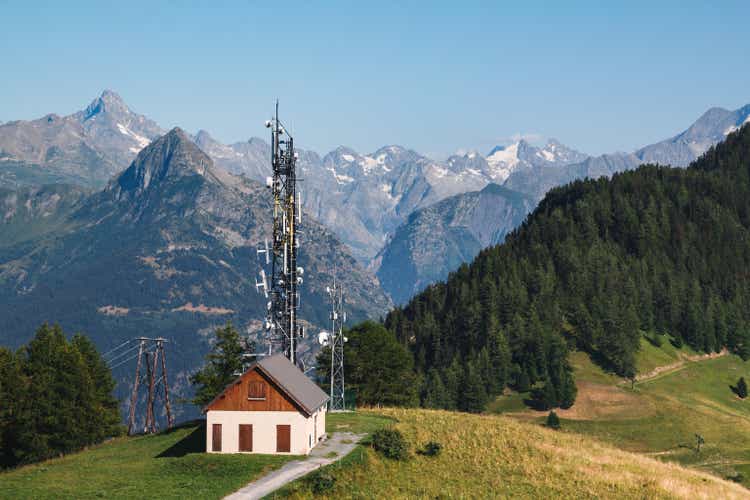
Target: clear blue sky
435, 76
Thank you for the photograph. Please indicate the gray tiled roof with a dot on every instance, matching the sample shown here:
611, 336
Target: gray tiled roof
291, 379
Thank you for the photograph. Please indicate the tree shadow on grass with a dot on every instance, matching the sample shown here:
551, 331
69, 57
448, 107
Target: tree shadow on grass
195, 442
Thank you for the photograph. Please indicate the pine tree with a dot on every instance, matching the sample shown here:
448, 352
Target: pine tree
567, 391
452, 377
12, 396
742, 388
553, 421
107, 412
473, 398
524, 383
434, 394
223, 363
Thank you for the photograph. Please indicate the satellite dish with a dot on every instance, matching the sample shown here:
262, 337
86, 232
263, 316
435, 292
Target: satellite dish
324, 338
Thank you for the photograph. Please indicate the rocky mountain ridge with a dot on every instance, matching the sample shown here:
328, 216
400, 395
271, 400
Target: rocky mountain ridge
437, 239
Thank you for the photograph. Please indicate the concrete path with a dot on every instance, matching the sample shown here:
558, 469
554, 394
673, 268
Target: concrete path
336, 447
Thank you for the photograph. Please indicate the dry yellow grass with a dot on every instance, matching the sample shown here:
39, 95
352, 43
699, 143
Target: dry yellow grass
494, 456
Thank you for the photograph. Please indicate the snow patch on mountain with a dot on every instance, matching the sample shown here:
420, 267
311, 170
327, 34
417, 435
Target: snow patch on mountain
734, 128
142, 141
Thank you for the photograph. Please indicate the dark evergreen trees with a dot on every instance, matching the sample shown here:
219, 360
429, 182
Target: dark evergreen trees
223, 363
55, 397
473, 395
378, 368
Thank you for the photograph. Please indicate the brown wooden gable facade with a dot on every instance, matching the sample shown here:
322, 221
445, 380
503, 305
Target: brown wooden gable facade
253, 391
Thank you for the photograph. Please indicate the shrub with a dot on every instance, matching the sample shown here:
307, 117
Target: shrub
431, 449
320, 482
737, 478
391, 443
676, 342
742, 388
553, 421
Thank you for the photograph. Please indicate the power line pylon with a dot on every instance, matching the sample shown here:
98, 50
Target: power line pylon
338, 317
150, 425
167, 406
134, 397
281, 325
149, 350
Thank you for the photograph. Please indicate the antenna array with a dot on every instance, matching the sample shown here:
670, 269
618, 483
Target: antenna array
281, 325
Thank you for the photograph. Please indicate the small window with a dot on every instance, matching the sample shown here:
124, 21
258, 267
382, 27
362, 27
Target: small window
256, 391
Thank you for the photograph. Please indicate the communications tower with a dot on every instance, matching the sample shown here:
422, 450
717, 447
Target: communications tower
281, 288
337, 339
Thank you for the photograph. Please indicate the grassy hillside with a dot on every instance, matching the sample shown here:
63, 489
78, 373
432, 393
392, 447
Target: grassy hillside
680, 394
490, 455
168, 465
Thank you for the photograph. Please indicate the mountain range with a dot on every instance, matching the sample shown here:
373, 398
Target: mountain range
371, 202
678, 151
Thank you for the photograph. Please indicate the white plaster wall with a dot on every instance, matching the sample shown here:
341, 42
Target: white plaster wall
310, 426
321, 423
264, 430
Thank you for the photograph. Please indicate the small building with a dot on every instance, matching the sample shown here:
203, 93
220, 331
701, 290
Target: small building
271, 408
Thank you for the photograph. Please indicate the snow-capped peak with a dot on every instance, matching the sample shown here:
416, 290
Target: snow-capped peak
502, 161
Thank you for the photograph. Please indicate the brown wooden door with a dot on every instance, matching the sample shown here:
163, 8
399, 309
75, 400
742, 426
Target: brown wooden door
216, 438
283, 438
246, 437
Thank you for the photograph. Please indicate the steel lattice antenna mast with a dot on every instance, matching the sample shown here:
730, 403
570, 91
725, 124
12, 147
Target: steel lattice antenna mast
338, 317
281, 323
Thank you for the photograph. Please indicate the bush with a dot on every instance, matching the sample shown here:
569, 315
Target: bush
553, 421
676, 342
742, 388
431, 449
320, 482
737, 478
391, 443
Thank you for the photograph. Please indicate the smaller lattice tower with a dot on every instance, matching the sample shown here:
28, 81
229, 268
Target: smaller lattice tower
337, 340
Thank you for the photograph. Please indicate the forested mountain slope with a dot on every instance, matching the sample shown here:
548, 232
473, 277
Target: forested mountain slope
656, 248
